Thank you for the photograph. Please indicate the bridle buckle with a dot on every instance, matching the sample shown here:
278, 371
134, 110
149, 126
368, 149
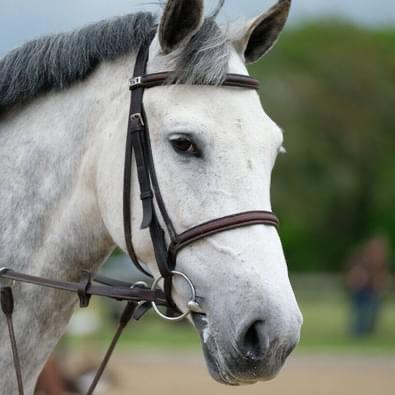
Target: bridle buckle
137, 116
135, 82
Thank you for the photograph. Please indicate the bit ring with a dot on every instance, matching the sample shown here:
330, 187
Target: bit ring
193, 297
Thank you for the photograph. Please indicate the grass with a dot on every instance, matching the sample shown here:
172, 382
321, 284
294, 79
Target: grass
326, 329
326, 312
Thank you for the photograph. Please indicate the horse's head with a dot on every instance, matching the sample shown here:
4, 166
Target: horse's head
214, 149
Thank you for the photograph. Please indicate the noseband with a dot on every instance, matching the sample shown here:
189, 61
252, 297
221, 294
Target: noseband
138, 141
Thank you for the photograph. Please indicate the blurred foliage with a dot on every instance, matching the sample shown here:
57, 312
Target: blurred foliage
331, 87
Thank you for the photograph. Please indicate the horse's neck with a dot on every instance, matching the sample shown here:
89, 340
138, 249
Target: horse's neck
49, 216
48, 161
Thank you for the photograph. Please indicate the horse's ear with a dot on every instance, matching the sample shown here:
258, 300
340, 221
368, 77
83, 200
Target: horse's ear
180, 20
263, 32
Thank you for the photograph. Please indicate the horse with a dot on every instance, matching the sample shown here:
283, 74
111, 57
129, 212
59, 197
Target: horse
63, 115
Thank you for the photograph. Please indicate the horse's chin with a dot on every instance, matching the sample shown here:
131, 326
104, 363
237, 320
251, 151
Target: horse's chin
219, 371
230, 370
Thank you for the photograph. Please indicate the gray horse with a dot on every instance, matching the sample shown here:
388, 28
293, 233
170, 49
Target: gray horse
63, 115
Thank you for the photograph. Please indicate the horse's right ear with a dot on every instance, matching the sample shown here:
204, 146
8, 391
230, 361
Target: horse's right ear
181, 19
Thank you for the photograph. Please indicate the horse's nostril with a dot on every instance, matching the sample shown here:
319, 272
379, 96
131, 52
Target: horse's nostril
255, 342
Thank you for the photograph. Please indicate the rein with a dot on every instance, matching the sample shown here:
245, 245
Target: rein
138, 296
167, 243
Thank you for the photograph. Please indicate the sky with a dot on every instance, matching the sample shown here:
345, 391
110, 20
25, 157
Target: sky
22, 20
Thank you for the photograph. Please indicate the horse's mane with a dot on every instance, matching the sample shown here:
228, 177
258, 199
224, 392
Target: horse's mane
55, 62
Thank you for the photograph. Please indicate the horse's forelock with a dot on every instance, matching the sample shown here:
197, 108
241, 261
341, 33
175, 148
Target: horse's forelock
204, 60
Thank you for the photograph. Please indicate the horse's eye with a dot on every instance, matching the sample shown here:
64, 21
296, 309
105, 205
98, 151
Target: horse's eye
183, 145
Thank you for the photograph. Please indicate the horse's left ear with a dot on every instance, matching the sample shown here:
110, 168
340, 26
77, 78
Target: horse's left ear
180, 20
263, 32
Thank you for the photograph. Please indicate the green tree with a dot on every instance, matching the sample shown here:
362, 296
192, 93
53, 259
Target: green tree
331, 87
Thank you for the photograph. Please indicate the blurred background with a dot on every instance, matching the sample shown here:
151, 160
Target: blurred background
330, 84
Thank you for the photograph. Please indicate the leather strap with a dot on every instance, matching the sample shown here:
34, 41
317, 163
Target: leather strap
167, 78
117, 289
140, 144
85, 282
135, 143
220, 225
126, 316
7, 305
136, 294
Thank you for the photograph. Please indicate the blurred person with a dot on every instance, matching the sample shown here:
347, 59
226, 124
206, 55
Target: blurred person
50, 381
55, 380
367, 279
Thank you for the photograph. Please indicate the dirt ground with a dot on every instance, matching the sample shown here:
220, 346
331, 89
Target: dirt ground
176, 374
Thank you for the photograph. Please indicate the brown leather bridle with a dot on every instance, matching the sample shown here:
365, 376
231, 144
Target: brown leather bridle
140, 298
138, 141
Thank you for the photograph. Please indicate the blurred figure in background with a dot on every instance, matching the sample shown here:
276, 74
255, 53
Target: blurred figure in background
50, 381
367, 279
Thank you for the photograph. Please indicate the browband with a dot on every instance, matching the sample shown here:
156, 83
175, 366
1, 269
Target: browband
166, 78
